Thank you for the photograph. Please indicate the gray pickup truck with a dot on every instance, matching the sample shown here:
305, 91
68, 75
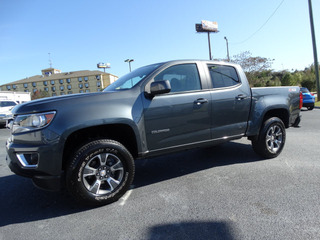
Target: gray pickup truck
88, 142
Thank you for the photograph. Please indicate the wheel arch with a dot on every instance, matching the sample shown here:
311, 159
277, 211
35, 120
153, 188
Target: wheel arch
121, 133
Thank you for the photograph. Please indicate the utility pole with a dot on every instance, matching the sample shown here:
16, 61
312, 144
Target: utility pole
315, 56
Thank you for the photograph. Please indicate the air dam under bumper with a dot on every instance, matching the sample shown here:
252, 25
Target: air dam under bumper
26, 163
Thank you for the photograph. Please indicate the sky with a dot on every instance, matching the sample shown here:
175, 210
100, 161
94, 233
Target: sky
79, 34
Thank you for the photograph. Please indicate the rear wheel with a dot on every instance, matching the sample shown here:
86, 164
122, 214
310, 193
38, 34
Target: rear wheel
271, 139
100, 172
310, 108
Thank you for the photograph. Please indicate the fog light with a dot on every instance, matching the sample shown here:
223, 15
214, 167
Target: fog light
28, 160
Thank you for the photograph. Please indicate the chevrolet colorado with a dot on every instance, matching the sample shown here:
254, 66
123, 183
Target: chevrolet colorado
88, 142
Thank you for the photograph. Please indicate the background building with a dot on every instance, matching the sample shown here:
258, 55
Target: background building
53, 82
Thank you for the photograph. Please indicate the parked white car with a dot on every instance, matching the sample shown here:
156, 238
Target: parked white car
5, 110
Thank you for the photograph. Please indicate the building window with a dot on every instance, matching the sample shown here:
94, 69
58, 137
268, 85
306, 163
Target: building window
81, 91
61, 81
87, 90
61, 88
86, 79
34, 84
52, 82
54, 94
98, 77
53, 89
69, 92
86, 85
62, 93
25, 85
99, 90
8, 87
98, 84
68, 80
69, 87
80, 79
27, 90
80, 85
46, 89
45, 83
34, 90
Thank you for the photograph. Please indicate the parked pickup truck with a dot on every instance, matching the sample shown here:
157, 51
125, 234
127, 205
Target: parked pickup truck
88, 142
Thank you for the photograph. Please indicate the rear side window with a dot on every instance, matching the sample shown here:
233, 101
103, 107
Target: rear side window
183, 77
223, 76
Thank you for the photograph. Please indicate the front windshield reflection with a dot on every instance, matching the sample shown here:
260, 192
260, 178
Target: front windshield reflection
129, 80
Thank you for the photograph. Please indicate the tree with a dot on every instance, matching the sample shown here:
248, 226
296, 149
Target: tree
252, 64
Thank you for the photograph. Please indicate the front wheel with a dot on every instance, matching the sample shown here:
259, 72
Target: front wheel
310, 108
100, 172
271, 139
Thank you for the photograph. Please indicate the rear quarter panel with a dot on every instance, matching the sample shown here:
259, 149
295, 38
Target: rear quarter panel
267, 99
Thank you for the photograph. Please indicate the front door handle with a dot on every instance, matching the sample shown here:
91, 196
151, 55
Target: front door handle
200, 101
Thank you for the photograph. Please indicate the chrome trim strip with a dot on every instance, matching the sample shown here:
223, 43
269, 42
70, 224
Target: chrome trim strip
24, 162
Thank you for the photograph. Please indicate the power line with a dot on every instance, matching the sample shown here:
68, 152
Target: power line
261, 25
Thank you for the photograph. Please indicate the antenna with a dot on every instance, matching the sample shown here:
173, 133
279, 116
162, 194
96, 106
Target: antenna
50, 62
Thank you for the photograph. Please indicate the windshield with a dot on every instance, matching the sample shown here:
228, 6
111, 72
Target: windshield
131, 79
304, 90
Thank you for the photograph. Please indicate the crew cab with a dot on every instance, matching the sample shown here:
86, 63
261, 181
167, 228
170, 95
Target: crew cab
89, 142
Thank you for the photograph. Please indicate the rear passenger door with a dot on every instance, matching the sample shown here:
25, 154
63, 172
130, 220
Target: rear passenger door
230, 101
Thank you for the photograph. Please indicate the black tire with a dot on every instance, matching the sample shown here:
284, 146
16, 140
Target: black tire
100, 172
271, 139
310, 108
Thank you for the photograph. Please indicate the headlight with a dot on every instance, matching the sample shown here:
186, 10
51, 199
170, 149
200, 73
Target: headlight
30, 122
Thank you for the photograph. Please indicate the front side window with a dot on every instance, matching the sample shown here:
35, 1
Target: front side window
184, 77
223, 76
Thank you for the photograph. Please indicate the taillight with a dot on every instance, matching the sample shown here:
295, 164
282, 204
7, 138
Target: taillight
301, 100
312, 94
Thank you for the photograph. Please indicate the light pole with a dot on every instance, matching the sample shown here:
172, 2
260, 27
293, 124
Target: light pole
129, 61
227, 48
315, 56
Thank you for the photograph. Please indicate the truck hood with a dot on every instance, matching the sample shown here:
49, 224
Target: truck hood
66, 101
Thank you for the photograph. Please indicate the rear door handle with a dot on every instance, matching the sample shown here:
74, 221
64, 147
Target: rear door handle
241, 96
200, 101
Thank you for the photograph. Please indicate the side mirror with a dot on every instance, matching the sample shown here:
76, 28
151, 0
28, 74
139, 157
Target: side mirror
160, 87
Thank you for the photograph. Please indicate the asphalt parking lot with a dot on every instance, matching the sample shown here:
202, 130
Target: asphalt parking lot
223, 192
